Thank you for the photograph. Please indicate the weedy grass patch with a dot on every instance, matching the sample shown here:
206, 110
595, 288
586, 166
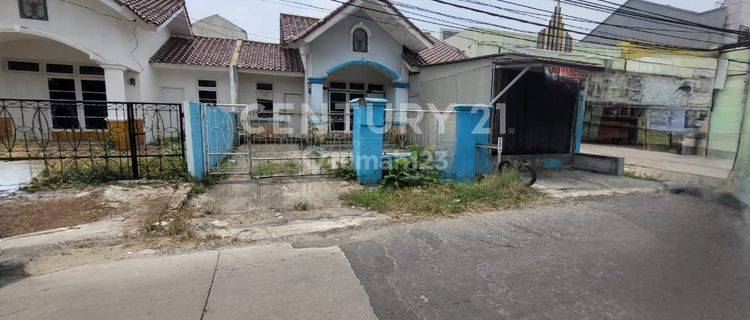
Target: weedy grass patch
493, 192
640, 176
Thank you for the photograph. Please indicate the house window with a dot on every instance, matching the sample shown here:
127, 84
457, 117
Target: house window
359, 40
23, 66
64, 109
59, 68
207, 91
264, 87
91, 70
338, 85
375, 88
94, 114
33, 9
265, 108
357, 86
67, 113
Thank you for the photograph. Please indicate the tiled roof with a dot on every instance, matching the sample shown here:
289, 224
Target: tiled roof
438, 53
199, 51
269, 56
292, 26
154, 11
218, 52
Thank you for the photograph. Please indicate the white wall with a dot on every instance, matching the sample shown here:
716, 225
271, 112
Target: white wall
462, 82
335, 46
187, 79
94, 31
281, 85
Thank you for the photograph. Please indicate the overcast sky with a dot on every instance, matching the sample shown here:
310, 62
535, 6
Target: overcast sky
260, 18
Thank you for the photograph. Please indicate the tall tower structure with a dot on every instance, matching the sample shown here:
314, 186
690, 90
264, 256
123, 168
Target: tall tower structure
554, 37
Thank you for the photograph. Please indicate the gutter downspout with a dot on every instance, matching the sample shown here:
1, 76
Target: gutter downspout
233, 76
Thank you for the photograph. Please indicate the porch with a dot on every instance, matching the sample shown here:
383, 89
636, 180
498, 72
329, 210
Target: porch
41, 66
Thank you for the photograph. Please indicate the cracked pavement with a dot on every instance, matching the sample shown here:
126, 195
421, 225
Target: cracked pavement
640, 256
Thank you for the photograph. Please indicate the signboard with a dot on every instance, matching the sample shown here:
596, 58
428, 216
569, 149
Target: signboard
632, 89
670, 120
566, 74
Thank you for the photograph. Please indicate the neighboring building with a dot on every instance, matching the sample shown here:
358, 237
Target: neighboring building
537, 114
218, 27
652, 30
555, 37
643, 87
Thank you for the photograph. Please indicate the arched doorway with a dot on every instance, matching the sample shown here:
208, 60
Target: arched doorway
354, 80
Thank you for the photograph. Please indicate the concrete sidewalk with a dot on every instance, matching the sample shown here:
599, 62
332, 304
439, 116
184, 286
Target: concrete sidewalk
680, 169
265, 282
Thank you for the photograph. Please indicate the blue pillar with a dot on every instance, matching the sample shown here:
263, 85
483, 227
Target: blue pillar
369, 124
472, 128
580, 114
194, 140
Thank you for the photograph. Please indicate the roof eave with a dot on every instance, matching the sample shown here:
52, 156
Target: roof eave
347, 9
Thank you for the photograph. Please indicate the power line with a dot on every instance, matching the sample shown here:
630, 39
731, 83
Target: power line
622, 10
602, 32
580, 19
447, 24
652, 44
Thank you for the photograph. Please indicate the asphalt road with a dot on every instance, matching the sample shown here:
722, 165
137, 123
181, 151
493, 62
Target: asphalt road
648, 256
654, 256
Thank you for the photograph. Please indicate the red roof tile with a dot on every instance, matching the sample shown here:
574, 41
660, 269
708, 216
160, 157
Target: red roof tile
206, 51
218, 52
292, 26
269, 56
438, 53
199, 51
154, 11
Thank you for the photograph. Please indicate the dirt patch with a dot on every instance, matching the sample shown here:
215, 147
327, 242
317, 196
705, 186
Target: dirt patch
20, 216
278, 194
276, 208
31, 212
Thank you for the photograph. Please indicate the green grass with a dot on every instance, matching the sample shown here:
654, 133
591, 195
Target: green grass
494, 192
302, 206
168, 225
268, 168
640, 176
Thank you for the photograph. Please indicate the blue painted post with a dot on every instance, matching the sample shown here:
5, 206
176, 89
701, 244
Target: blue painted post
472, 128
580, 114
369, 124
194, 140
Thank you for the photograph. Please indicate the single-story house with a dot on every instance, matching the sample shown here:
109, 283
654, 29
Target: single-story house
145, 50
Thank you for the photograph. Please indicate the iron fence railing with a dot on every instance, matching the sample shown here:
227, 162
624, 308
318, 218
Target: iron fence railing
124, 139
244, 141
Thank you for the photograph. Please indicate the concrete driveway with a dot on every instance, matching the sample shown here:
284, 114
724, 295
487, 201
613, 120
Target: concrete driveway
640, 256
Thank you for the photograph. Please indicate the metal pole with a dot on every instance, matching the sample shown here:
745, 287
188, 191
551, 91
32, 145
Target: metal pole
510, 85
132, 136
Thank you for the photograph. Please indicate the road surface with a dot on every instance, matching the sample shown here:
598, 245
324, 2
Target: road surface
643, 256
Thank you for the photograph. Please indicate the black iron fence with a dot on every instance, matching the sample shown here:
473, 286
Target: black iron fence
123, 139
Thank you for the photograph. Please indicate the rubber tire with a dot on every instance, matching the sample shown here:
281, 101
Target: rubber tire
532, 172
505, 165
